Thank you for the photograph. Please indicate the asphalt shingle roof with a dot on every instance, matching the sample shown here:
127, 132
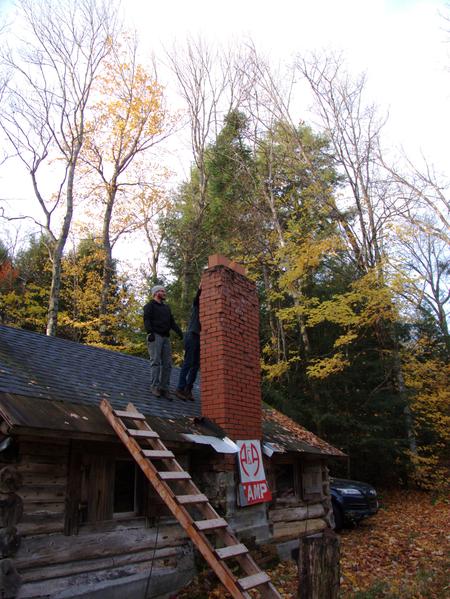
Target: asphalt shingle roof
72, 379
34, 365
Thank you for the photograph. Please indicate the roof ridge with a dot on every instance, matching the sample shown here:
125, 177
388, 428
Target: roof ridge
70, 341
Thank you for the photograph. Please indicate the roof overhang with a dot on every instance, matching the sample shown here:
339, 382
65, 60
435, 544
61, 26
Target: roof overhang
50, 418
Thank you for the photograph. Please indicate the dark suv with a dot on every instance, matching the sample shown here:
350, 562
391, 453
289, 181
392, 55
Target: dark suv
352, 501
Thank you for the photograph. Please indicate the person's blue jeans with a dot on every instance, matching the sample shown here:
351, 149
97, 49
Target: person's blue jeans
191, 362
160, 354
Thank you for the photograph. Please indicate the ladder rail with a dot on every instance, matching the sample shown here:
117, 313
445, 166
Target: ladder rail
181, 514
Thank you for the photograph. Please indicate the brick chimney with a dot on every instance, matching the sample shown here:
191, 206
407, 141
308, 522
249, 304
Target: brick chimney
230, 366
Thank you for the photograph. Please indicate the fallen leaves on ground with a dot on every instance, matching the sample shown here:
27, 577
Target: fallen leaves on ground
400, 553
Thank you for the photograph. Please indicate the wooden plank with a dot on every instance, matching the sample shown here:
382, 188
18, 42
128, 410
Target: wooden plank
255, 580
157, 453
143, 434
174, 475
133, 415
292, 530
185, 499
231, 551
211, 524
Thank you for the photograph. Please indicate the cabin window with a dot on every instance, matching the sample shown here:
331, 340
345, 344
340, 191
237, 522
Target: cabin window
298, 480
285, 481
312, 482
124, 500
105, 484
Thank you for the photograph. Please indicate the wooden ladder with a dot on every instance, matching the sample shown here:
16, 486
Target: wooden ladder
188, 497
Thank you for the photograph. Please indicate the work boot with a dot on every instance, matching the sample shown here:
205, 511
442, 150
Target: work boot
155, 391
165, 393
189, 395
181, 394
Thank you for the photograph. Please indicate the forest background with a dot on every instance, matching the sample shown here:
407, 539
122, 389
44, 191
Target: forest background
346, 238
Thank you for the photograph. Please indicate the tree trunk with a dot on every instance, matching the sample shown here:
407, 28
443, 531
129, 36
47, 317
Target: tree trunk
53, 304
318, 567
108, 269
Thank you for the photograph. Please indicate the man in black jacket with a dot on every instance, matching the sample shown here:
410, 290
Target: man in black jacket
158, 321
191, 362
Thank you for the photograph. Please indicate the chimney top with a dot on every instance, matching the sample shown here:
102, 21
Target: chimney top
220, 260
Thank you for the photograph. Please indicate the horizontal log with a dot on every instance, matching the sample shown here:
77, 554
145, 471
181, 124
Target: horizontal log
296, 513
41, 523
290, 530
35, 479
34, 439
59, 549
90, 580
39, 493
39, 468
43, 449
72, 568
36, 507
27, 529
42, 516
56, 458
116, 525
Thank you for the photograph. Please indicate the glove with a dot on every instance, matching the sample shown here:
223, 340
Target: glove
150, 337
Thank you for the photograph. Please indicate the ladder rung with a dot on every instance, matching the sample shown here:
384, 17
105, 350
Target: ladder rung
211, 524
250, 582
200, 498
157, 453
143, 434
231, 551
132, 415
174, 475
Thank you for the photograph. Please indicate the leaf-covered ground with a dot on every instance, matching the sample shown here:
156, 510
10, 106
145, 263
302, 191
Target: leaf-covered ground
401, 553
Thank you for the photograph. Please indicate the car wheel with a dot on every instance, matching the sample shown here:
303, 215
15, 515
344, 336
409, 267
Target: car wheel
338, 517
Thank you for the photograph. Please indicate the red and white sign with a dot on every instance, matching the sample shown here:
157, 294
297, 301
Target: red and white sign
253, 487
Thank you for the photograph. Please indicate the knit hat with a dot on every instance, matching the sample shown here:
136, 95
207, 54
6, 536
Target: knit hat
157, 288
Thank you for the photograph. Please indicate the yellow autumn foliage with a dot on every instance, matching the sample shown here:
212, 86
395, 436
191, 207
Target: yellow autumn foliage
428, 378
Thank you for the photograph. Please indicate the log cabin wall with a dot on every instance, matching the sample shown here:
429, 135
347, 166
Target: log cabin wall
122, 551
102, 554
301, 504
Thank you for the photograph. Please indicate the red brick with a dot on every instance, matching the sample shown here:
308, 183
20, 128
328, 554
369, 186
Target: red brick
230, 363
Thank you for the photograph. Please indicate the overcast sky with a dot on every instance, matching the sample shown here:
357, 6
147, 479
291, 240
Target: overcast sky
403, 45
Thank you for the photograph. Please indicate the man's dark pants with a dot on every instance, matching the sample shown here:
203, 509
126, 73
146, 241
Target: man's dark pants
191, 362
